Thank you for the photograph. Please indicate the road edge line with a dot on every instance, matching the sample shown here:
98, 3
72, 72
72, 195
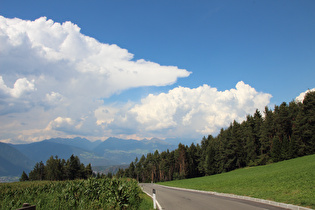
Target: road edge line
258, 200
156, 201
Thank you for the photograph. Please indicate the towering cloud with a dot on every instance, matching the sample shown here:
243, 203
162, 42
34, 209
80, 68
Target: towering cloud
189, 112
54, 80
62, 59
53, 71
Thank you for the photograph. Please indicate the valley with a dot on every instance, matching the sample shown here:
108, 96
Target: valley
110, 154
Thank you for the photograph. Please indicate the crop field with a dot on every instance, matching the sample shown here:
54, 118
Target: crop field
291, 181
78, 194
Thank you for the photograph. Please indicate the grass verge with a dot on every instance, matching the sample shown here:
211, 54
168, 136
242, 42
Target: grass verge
291, 181
146, 202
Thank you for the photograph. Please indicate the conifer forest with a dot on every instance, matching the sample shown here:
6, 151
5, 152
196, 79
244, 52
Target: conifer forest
286, 132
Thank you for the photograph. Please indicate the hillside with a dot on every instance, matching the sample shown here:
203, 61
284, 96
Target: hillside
41, 151
291, 181
13, 162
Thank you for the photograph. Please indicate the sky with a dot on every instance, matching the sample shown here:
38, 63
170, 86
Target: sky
146, 68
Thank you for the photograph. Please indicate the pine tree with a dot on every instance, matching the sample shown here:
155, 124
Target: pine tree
120, 173
276, 149
181, 161
131, 171
88, 170
285, 149
209, 163
307, 123
171, 162
164, 166
140, 169
283, 123
203, 154
266, 137
38, 173
220, 157
24, 177
249, 139
54, 169
234, 149
73, 167
193, 161
155, 161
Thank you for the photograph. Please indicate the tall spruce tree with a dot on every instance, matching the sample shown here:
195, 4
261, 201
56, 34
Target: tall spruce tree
73, 167
38, 173
266, 136
307, 123
24, 177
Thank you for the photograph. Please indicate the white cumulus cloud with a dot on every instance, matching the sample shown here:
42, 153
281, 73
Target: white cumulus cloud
66, 73
184, 112
21, 86
300, 98
54, 80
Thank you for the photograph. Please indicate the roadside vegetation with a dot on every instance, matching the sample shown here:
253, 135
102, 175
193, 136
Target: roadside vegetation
146, 202
73, 194
61, 184
291, 181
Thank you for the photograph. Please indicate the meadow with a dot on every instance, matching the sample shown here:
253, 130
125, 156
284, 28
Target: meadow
291, 181
77, 194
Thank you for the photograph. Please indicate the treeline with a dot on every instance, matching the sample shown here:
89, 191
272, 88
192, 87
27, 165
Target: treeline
59, 169
286, 132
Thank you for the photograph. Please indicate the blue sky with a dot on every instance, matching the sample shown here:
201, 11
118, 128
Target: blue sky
266, 47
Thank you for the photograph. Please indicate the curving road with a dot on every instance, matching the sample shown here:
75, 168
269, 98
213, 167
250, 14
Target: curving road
175, 199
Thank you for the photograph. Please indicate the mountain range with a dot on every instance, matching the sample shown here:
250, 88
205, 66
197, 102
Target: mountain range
14, 158
12, 161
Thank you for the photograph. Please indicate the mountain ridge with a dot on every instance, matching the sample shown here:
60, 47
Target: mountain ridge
12, 161
112, 151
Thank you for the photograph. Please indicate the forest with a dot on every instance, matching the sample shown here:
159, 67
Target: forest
57, 169
284, 133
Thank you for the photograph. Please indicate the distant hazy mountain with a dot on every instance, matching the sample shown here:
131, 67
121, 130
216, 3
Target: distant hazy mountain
13, 162
109, 169
119, 144
131, 145
184, 141
125, 151
113, 151
41, 151
77, 142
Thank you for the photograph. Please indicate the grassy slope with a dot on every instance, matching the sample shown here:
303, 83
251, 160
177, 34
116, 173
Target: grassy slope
291, 181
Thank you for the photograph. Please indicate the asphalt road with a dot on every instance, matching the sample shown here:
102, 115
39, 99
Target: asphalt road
180, 199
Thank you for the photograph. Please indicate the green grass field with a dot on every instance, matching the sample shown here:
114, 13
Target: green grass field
290, 181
